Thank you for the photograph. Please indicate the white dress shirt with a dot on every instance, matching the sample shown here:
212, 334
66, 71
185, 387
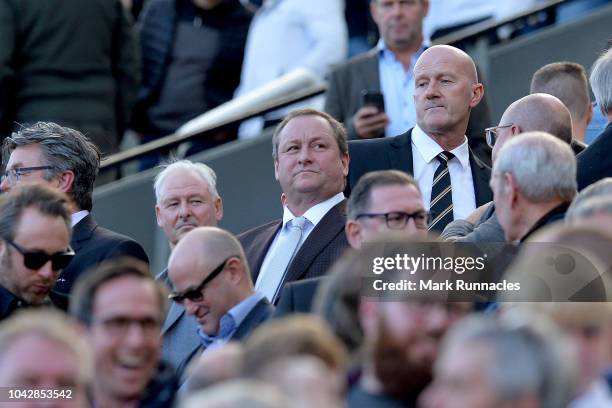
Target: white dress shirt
313, 216
424, 152
78, 216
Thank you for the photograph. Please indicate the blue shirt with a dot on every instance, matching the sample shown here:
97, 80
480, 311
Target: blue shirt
229, 322
397, 87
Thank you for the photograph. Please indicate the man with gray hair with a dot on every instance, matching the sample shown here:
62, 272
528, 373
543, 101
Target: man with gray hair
186, 198
596, 162
533, 183
487, 363
537, 112
66, 160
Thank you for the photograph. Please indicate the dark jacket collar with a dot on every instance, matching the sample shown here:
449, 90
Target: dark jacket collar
553, 215
9, 303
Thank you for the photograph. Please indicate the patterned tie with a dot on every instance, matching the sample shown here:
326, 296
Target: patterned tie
272, 278
441, 205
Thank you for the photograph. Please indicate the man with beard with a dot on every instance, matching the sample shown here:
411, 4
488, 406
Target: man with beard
401, 343
34, 239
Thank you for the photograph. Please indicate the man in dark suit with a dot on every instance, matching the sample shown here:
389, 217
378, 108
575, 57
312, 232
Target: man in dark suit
388, 69
595, 162
311, 163
382, 202
186, 198
211, 279
446, 90
65, 159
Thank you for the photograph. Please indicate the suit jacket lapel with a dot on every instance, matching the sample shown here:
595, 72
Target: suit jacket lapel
262, 311
400, 156
82, 231
368, 72
174, 313
480, 176
326, 230
261, 246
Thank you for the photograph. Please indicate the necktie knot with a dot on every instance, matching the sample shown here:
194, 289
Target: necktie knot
298, 222
444, 157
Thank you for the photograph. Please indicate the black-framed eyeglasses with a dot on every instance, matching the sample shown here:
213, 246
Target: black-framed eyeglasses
15, 173
398, 220
491, 133
37, 259
196, 294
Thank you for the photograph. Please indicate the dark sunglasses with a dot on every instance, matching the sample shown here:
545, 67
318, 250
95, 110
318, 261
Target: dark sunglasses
195, 294
37, 259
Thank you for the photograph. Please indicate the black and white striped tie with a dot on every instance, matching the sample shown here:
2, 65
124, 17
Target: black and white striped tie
441, 204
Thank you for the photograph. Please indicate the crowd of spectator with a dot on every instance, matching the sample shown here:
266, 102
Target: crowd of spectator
400, 160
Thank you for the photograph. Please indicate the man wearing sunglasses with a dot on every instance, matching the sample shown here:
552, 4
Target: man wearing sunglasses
211, 279
34, 246
63, 158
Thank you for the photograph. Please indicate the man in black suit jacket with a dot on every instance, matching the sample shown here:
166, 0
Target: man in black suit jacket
311, 163
595, 162
210, 278
65, 159
446, 89
388, 68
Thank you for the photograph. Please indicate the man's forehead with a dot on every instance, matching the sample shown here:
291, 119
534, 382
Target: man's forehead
305, 127
24, 156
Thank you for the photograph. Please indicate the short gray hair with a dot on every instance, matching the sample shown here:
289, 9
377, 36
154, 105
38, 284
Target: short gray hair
64, 149
532, 353
589, 207
543, 166
601, 188
601, 81
206, 173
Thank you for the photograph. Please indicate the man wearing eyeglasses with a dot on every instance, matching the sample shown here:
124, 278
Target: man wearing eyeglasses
211, 279
63, 158
34, 246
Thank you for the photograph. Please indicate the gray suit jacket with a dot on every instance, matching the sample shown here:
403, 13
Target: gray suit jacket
181, 342
343, 99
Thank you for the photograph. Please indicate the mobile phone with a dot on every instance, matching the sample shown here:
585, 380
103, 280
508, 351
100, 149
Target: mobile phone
373, 98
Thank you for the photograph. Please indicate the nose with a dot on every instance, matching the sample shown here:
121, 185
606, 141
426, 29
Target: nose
432, 90
5, 185
304, 156
135, 334
47, 271
184, 210
190, 307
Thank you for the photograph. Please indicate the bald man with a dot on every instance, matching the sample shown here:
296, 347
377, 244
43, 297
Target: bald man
211, 279
446, 90
537, 112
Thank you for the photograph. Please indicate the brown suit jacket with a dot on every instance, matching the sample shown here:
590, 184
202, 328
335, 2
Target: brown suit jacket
322, 248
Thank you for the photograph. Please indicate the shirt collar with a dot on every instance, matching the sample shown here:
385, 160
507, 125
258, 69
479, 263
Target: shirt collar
386, 53
78, 216
230, 321
316, 212
429, 149
9, 302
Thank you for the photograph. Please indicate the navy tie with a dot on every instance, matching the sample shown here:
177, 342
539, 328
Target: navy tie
441, 204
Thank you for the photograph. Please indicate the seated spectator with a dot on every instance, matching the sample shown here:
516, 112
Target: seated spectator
533, 183
192, 53
595, 163
211, 279
44, 350
486, 363
68, 161
535, 112
34, 238
290, 34
122, 308
568, 82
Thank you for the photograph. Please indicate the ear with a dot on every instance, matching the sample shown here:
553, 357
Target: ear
515, 130
276, 169
589, 114
368, 316
236, 270
513, 190
345, 163
477, 94
374, 11
66, 180
218, 209
352, 230
425, 7
158, 215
